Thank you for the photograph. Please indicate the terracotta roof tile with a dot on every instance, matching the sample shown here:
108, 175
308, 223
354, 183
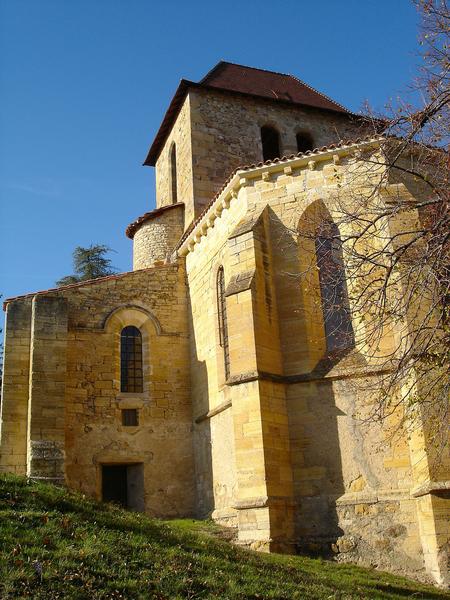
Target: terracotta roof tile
249, 81
267, 84
134, 226
313, 152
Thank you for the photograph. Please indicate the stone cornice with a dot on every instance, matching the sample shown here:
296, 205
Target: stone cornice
430, 487
214, 411
245, 176
333, 374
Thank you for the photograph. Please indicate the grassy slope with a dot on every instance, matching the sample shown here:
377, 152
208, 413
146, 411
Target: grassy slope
88, 550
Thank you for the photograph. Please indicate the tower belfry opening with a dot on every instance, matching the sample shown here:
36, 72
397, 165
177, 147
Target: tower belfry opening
270, 140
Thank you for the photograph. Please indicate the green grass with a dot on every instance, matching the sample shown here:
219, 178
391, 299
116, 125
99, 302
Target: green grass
58, 544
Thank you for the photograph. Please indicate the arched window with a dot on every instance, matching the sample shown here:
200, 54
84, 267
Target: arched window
131, 379
304, 142
222, 317
270, 140
173, 173
333, 289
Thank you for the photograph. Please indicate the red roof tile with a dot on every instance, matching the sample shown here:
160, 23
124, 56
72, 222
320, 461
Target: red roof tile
267, 84
134, 226
315, 151
239, 79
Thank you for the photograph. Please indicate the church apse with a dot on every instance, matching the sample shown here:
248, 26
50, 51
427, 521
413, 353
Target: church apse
222, 376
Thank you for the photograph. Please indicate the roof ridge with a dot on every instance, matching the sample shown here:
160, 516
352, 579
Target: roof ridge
319, 92
228, 62
215, 67
81, 283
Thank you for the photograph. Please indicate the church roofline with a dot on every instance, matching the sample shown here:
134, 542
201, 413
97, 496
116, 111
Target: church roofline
313, 99
134, 226
241, 175
63, 288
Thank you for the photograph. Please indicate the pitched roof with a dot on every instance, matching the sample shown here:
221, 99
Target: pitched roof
267, 84
85, 283
249, 81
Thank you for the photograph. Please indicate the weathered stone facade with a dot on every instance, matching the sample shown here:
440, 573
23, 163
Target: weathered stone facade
155, 239
74, 399
254, 429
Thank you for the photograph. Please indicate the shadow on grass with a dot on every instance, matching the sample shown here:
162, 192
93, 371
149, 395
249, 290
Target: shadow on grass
177, 559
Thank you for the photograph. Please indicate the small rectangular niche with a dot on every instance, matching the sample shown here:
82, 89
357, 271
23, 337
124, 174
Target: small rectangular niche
130, 417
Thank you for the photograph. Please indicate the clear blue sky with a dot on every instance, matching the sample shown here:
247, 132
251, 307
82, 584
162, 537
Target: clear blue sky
84, 85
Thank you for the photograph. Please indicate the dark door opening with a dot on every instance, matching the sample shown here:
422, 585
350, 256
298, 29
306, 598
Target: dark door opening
124, 485
114, 484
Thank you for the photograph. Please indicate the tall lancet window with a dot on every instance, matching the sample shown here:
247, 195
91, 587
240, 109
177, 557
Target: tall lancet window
173, 173
270, 139
333, 289
222, 317
131, 379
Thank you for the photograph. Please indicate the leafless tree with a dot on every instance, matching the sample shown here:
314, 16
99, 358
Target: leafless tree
379, 251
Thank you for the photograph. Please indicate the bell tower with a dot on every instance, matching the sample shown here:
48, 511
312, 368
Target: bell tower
213, 126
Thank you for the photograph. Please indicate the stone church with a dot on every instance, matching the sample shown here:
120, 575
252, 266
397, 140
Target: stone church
197, 384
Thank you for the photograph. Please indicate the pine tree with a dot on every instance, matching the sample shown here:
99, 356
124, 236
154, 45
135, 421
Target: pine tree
89, 263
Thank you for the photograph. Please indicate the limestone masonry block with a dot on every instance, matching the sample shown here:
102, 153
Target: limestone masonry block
223, 399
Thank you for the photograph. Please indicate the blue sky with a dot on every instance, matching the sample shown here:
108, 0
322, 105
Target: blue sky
84, 85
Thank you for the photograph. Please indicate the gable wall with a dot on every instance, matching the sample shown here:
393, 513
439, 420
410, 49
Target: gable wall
83, 403
94, 433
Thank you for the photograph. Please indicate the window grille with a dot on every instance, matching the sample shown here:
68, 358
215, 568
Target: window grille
131, 379
130, 417
222, 317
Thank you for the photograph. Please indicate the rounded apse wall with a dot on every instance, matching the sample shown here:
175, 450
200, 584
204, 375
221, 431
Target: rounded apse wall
156, 234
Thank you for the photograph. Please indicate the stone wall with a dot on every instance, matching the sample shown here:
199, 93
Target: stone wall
181, 136
46, 403
215, 132
91, 430
15, 387
156, 238
348, 487
225, 131
213, 421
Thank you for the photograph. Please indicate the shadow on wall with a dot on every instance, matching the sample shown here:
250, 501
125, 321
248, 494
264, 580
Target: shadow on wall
316, 465
201, 431
316, 452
